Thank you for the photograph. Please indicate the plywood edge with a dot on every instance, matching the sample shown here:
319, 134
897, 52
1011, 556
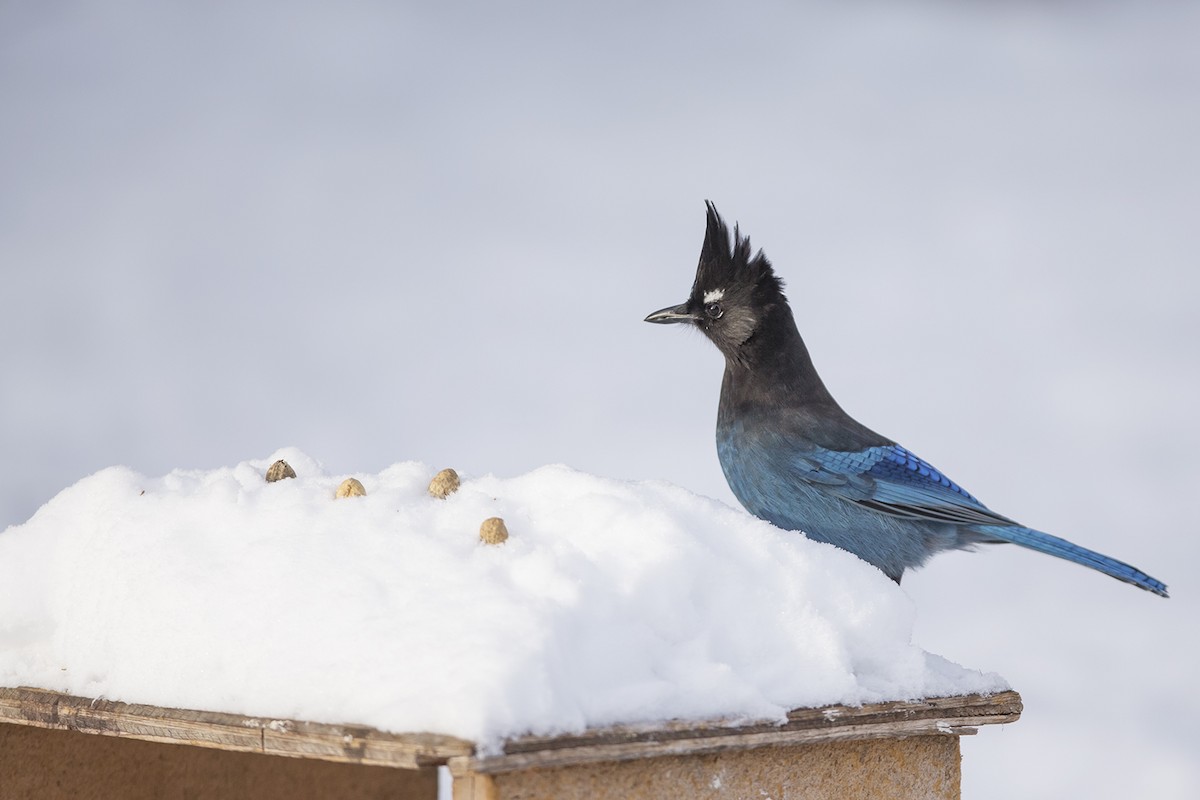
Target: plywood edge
283, 737
952, 716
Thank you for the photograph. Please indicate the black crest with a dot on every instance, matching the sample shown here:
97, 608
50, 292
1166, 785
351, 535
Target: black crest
729, 265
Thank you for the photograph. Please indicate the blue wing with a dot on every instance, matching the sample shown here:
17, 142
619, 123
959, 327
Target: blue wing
891, 480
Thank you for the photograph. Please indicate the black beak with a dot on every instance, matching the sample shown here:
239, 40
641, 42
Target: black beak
672, 314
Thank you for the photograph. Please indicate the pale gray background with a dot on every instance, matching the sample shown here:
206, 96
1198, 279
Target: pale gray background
380, 232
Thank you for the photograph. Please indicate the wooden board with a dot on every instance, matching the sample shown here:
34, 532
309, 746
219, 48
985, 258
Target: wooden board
948, 716
282, 737
951, 716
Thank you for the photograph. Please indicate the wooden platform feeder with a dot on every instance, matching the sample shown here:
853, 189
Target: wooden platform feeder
880, 751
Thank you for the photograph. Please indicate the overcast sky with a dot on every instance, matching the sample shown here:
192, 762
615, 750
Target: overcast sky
382, 233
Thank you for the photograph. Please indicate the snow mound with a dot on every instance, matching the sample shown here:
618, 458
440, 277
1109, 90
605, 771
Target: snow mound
611, 602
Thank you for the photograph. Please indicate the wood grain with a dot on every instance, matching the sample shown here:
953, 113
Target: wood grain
283, 737
950, 716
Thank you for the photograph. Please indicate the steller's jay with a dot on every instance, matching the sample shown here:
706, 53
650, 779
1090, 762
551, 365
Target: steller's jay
793, 457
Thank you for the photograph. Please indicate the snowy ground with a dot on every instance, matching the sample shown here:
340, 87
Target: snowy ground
382, 232
611, 602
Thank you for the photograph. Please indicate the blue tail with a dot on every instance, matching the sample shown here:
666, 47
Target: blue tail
1052, 545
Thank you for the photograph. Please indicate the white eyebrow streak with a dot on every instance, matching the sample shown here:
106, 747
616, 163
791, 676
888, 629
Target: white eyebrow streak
714, 295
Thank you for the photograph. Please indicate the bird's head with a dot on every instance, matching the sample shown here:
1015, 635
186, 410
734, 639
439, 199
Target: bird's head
734, 294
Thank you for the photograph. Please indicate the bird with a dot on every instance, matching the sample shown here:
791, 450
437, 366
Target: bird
794, 458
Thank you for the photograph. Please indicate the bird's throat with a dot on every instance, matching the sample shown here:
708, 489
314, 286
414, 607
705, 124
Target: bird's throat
776, 370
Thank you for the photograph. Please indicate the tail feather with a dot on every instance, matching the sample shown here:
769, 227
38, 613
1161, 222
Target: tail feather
1052, 545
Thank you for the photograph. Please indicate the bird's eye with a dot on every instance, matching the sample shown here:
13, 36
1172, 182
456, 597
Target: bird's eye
713, 310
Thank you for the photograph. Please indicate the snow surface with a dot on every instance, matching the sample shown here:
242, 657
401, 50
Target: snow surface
611, 602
